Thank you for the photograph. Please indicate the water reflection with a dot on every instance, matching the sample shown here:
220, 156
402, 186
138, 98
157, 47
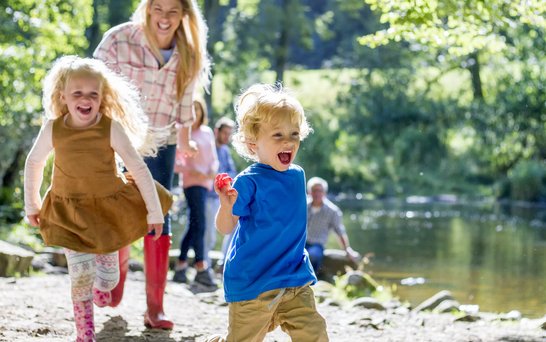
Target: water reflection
492, 255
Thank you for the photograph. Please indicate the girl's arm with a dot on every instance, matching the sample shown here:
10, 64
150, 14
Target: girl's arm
140, 173
34, 172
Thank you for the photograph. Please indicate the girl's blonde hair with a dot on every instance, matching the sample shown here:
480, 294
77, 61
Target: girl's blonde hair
263, 104
191, 43
120, 100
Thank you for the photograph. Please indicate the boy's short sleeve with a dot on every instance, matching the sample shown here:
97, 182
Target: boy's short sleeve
246, 190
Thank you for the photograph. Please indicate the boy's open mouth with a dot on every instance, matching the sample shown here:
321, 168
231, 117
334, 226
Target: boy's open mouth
285, 157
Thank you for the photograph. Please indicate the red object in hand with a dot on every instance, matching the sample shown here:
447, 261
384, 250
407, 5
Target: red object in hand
222, 179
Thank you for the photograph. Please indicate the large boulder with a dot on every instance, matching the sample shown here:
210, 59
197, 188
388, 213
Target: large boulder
14, 260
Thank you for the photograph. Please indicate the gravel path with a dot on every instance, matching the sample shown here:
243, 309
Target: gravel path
39, 309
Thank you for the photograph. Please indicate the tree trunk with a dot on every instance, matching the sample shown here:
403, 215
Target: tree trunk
474, 68
93, 32
211, 11
12, 172
281, 55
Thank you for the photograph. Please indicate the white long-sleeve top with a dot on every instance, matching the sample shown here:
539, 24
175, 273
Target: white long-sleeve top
120, 143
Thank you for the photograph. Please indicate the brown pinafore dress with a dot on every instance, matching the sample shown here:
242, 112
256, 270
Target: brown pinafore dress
89, 208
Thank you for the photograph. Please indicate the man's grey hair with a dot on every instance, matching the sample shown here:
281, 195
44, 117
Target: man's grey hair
317, 180
224, 122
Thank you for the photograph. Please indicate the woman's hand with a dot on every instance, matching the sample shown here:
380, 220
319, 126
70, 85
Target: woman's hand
189, 150
157, 228
34, 220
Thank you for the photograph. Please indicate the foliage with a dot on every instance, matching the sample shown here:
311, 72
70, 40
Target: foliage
462, 27
527, 180
32, 35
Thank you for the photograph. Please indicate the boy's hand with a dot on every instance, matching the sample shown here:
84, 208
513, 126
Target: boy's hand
221, 180
157, 228
222, 186
34, 220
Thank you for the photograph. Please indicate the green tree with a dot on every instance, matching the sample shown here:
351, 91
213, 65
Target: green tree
32, 35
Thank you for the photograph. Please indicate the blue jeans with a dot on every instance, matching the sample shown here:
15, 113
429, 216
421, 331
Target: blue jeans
316, 254
162, 169
195, 234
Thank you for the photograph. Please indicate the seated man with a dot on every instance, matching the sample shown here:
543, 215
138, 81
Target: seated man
323, 216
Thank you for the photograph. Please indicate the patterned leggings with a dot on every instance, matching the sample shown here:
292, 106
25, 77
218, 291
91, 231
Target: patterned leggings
91, 270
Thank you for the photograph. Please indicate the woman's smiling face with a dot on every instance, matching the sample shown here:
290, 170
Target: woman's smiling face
165, 18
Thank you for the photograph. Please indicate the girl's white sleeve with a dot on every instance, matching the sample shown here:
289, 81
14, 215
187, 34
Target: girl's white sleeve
34, 168
139, 170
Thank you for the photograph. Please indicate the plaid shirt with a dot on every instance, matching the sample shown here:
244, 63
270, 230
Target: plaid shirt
319, 224
124, 49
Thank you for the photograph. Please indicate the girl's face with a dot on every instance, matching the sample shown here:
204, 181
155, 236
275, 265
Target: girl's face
82, 96
277, 144
165, 18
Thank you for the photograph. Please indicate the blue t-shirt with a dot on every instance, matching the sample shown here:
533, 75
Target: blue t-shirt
268, 247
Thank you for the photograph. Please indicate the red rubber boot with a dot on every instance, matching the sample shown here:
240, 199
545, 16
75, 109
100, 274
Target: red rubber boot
117, 292
156, 266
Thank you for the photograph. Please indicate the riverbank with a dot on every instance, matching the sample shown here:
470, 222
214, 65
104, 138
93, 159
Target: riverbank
38, 308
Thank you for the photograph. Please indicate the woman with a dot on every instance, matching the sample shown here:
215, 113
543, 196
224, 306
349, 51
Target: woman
163, 51
197, 175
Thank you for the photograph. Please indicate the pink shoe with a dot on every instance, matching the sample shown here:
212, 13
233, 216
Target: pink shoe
101, 298
84, 319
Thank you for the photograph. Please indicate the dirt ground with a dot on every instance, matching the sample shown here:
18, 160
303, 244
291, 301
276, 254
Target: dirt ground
39, 309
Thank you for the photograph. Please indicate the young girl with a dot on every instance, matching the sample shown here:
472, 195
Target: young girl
267, 272
162, 50
89, 209
197, 175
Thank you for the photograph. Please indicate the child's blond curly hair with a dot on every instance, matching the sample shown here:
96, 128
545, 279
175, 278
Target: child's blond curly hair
263, 104
120, 100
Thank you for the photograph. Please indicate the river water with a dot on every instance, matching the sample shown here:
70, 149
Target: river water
486, 254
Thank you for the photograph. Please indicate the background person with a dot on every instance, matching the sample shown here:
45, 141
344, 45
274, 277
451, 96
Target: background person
223, 130
323, 216
197, 174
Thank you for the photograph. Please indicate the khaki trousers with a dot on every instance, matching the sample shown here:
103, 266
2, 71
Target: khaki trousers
292, 308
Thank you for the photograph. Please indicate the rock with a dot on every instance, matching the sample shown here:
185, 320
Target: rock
432, 302
215, 257
135, 266
447, 306
40, 261
513, 315
358, 283
368, 303
335, 262
14, 260
57, 256
468, 318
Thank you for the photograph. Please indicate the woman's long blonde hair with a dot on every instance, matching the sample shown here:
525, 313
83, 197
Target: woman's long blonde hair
120, 100
194, 63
